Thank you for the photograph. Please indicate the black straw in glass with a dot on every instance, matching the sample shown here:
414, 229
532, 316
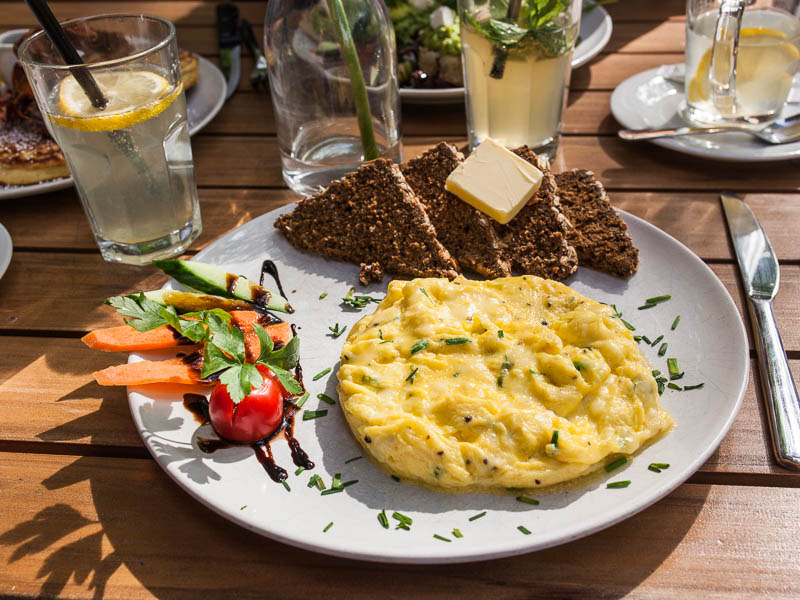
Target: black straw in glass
51, 26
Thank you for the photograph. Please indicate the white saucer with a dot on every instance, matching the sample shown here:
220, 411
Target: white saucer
652, 99
6, 249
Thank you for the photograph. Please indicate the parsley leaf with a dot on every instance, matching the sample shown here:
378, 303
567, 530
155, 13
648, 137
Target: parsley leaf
145, 314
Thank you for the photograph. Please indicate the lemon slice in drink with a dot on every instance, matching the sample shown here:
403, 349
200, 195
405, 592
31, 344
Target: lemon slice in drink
133, 97
764, 55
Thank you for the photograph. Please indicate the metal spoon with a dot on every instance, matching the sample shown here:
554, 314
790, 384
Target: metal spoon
781, 131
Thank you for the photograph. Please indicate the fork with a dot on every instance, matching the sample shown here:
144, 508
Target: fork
781, 131
258, 76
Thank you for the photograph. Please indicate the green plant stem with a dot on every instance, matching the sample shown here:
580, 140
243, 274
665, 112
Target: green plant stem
356, 79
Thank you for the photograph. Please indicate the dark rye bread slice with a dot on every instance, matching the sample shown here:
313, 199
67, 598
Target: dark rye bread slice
370, 216
464, 230
602, 238
536, 240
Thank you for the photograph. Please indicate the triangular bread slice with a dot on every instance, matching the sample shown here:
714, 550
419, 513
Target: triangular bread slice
536, 240
602, 238
370, 216
464, 230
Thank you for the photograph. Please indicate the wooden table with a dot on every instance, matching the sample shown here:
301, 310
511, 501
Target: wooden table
84, 510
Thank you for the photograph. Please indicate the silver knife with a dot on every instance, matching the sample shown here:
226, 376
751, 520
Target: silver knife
761, 276
230, 46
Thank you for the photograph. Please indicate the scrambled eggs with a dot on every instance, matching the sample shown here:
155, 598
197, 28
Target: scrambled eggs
463, 385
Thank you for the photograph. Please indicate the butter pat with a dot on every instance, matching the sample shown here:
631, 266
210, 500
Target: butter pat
495, 181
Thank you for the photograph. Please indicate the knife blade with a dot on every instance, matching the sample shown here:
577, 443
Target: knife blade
760, 273
230, 46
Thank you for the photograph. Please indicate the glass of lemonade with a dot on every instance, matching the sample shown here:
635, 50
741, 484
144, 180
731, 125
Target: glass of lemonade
757, 55
517, 61
132, 161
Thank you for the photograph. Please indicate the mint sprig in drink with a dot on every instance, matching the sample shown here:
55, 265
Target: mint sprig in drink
517, 67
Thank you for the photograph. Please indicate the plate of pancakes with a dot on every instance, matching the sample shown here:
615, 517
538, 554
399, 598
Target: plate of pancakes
31, 162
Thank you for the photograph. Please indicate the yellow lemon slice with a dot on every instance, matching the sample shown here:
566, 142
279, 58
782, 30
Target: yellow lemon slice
133, 97
764, 55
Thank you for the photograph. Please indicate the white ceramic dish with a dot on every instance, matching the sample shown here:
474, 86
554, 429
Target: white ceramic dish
6, 250
652, 99
596, 28
710, 344
203, 102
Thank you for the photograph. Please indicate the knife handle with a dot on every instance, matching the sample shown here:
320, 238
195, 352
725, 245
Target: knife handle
780, 392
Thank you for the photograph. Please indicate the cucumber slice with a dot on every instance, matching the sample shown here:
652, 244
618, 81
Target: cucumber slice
193, 301
211, 279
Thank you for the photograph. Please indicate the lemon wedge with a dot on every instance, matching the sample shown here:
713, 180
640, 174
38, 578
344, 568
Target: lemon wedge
764, 57
133, 97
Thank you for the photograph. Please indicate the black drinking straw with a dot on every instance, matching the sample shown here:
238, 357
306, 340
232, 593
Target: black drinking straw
53, 29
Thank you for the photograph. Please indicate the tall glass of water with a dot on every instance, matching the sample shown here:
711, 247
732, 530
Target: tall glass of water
315, 105
132, 161
517, 62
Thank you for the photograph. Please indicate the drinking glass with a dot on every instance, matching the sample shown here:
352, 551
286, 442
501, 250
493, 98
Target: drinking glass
741, 57
517, 56
131, 162
315, 105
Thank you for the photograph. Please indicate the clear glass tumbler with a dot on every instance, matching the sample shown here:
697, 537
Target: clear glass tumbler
132, 161
315, 106
741, 58
516, 57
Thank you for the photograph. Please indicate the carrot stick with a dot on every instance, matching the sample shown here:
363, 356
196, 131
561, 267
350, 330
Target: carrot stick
173, 370
127, 339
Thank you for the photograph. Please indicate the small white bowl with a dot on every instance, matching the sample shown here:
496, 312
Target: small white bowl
7, 57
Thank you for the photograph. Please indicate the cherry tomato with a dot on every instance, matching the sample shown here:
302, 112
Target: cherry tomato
255, 417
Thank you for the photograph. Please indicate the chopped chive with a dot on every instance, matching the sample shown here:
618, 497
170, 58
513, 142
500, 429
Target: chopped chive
410, 377
674, 386
524, 529
526, 500
403, 526
637, 338
349, 483
424, 291
396, 478
299, 403
383, 519
658, 467
320, 483
286, 485
402, 518
355, 458
299, 470
314, 414
579, 365
613, 466
674, 371
326, 398
660, 381
658, 339
457, 533
328, 526
336, 331
331, 491
500, 333
357, 301
313, 480
657, 299
554, 439
457, 340
337, 481
439, 537
500, 381
321, 374
532, 372
618, 484
663, 349
656, 373
646, 340
419, 346
478, 516
322, 295
628, 325
675, 322
686, 388
245, 506
644, 306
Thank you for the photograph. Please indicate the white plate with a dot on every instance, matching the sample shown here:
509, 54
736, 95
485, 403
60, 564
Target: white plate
710, 344
203, 102
596, 27
652, 99
6, 249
